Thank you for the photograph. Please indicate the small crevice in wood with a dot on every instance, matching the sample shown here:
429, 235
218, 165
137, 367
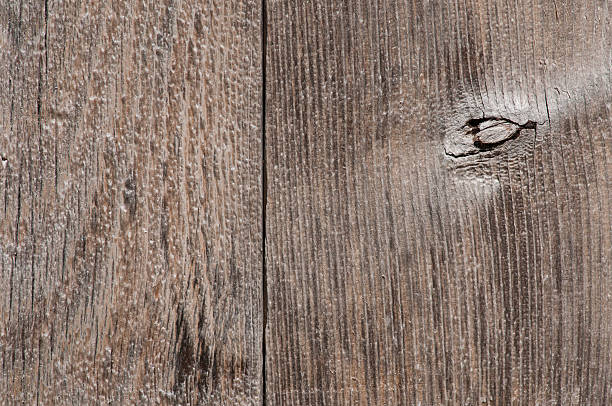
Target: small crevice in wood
264, 197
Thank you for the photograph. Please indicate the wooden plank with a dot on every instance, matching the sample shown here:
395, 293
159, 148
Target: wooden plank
407, 265
131, 202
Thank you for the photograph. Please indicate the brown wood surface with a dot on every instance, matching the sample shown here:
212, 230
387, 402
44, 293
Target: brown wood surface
406, 265
130, 202
435, 203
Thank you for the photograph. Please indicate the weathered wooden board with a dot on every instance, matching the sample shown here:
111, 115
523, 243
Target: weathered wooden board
438, 202
130, 190
408, 261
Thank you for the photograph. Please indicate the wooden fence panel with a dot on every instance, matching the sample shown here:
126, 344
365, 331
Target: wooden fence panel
435, 206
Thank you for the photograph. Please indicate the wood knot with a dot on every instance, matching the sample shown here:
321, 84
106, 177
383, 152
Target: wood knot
485, 134
490, 132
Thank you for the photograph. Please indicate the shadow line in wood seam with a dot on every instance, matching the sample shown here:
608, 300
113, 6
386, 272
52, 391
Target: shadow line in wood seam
264, 185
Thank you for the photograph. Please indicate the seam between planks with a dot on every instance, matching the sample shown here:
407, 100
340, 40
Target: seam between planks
264, 197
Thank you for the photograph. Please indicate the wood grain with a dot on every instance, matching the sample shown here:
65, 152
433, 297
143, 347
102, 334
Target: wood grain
130, 190
400, 275
406, 264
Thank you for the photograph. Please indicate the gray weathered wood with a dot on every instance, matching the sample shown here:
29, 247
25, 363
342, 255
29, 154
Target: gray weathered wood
414, 254
399, 274
130, 215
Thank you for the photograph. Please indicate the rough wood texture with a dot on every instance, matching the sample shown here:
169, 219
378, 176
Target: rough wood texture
406, 264
130, 229
438, 217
